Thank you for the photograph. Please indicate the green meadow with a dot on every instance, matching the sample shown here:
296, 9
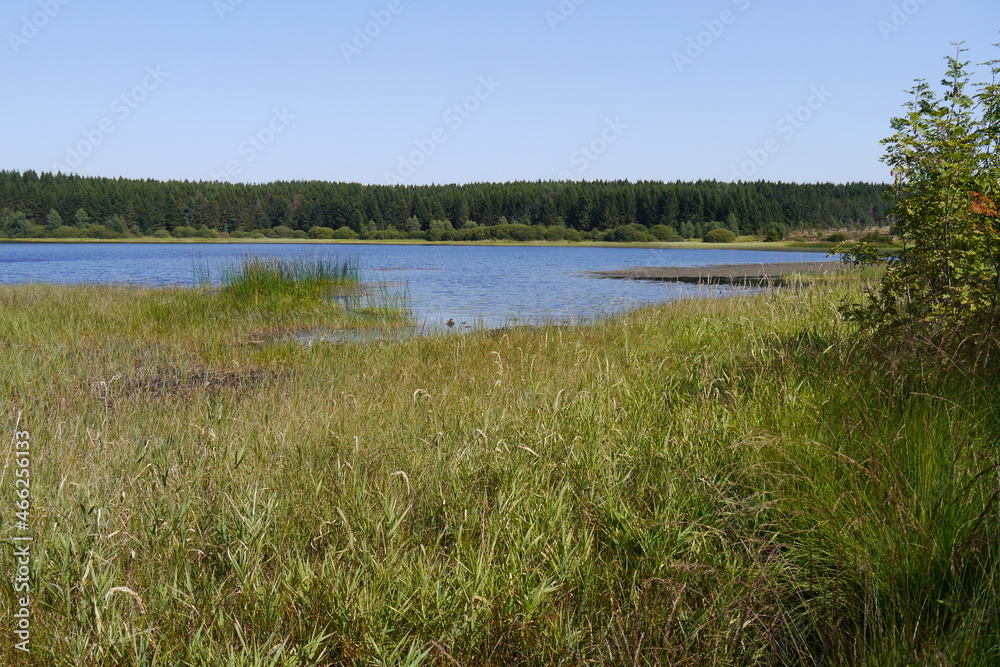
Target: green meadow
737, 481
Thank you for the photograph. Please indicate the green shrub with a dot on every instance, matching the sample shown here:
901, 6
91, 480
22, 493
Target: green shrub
473, 234
634, 233
321, 233
345, 233
161, 234
439, 234
774, 234
509, 232
282, 232
944, 155
103, 232
183, 232
720, 236
662, 232
66, 232
555, 233
385, 234
33, 231
837, 237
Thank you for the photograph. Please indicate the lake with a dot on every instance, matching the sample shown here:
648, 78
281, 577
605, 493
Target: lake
486, 285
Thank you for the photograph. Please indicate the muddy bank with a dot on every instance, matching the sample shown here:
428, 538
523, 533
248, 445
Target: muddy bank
724, 274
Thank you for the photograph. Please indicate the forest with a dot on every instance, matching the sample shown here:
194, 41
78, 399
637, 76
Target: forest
46, 205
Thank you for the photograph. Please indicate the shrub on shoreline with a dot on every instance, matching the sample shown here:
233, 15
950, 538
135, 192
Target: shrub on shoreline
720, 235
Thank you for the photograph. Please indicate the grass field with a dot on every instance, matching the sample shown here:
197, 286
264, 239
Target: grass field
736, 481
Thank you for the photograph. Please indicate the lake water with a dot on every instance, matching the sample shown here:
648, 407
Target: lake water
486, 285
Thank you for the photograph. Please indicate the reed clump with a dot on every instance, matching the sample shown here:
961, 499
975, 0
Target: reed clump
274, 279
737, 481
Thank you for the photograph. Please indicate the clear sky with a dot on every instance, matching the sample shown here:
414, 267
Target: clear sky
442, 91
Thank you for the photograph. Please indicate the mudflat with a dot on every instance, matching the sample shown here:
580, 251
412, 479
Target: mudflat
723, 274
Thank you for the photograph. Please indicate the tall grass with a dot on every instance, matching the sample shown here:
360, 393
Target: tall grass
724, 482
305, 293
256, 278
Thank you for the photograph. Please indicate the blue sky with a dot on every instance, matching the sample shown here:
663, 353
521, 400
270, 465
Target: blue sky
440, 91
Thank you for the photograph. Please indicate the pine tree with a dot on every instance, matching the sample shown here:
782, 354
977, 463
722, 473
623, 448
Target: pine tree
80, 219
53, 220
733, 224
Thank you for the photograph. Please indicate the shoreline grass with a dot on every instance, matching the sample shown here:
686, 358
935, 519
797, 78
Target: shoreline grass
721, 481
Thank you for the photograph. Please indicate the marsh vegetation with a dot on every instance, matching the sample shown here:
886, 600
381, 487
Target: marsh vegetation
733, 481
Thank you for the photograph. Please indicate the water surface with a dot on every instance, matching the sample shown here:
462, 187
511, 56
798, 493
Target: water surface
487, 285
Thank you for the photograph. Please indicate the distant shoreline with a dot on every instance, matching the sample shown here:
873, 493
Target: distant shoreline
780, 246
724, 274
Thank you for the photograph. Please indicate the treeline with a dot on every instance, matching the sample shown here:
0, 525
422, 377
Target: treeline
36, 205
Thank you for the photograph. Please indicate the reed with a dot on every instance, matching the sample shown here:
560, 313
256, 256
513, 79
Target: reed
255, 279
